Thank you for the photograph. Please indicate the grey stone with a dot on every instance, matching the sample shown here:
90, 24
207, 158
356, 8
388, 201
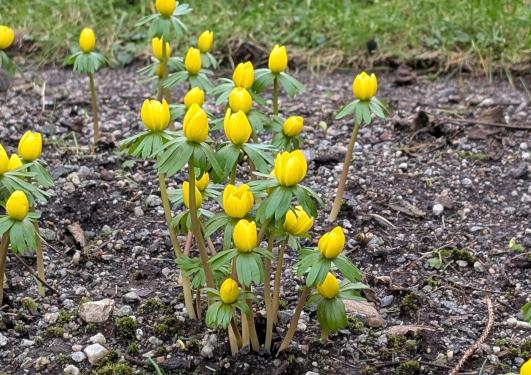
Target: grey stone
95, 353
97, 311
437, 209
78, 356
132, 297
98, 338
3, 340
71, 370
153, 201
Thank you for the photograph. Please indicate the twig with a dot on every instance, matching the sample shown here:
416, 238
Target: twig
35, 276
471, 350
524, 126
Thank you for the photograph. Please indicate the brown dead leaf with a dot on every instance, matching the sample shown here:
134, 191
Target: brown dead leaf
403, 206
366, 311
407, 328
78, 234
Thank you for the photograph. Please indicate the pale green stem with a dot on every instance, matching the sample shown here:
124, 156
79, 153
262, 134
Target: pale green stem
95, 119
294, 319
275, 96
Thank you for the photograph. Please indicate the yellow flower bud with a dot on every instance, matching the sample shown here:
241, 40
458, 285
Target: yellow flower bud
229, 291
186, 195
165, 7
244, 236
192, 61
155, 115
237, 127
243, 75
331, 244
4, 160
526, 368
202, 183
87, 40
205, 40
14, 162
195, 124
290, 167
7, 36
293, 126
297, 221
156, 47
237, 201
17, 206
160, 70
195, 95
278, 59
240, 100
364, 86
30, 146
330, 287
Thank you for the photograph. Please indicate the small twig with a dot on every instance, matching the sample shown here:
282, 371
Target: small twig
35, 276
524, 126
471, 350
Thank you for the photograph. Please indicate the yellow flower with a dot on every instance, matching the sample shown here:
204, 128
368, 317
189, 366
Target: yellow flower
290, 167
244, 236
293, 126
195, 95
202, 183
240, 100
205, 40
7, 35
243, 75
237, 201
17, 206
156, 47
526, 368
237, 127
14, 162
192, 61
331, 244
155, 115
87, 40
186, 195
229, 291
160, 70
195, 124
278, 59
297, 221
165, 7
30, 146
330, 287
4, 160
364, 86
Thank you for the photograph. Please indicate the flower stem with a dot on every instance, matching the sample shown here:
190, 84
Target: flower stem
196, 228
95, 119
251, 326
40, 261
267, 271
272, 314
187, 287
236, 332
344, 174
275, 96
233, 173
3, 256
294, 319
324, 335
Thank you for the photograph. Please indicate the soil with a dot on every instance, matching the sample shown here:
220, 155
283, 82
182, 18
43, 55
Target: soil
431, 206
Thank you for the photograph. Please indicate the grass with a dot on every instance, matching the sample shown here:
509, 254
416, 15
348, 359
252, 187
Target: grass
481, 35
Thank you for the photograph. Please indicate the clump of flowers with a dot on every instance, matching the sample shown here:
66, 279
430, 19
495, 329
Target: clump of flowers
7, 36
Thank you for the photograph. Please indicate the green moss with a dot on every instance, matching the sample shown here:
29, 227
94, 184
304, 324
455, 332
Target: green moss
65, 317
91, 328
29, 304
525, 348
114, 369
125, 328
133, 348
474, 155
166, 327
463, 254
432, 282
20, 327
38, 340
369, 370
409, 305
154, 305
62, 359
53, 331
410, 367
160, 351
354, 324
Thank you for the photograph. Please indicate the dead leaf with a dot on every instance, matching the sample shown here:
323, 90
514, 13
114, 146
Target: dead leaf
407, 328
401, 205
365, 311
78, 234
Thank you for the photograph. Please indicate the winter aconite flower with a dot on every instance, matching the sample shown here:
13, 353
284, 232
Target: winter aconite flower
192, 61
290, 167
155, 115
240, 100
195, 95
237, 201
7, 36
330, 287
186, 195
165, 7
202, 183
195, 124
364, 86
229, 291
293, 126
156, 47
17, 206
297, 222
14, 162
526, 368
331, 244
205, 40
243, 75
278, 59
244, 236
237, 127
30, 146
87, 40
4, 160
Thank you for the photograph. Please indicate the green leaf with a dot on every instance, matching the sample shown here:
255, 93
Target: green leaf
290, 84
347, 110
212, 314
262, 79
222, 258
215, 223
174, 157
347, 269
228, 156
526, 312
